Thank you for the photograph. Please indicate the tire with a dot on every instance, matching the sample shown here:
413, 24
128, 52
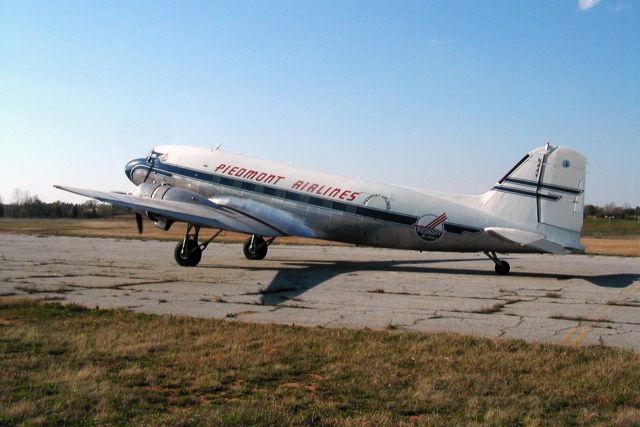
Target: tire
258, 252
194, 254
502, 268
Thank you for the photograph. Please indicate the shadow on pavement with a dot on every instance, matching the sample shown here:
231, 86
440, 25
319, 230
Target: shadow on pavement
295, 278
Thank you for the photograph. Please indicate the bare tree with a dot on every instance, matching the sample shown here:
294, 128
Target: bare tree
21, 196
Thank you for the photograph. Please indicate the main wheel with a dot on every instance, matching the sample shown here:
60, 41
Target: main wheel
256, 251
193, 255
503, 267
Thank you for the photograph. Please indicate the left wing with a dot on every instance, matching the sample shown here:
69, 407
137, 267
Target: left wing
245, 216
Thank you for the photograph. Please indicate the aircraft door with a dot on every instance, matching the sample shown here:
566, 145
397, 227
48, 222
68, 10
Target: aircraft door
372, 232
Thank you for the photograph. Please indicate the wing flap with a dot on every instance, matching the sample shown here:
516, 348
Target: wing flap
286, 222
201, 212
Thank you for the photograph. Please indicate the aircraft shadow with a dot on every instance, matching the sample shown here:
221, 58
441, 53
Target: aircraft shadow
297, 277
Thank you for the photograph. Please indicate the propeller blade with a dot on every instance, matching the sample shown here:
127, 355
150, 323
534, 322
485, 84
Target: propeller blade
139, 222
153, 163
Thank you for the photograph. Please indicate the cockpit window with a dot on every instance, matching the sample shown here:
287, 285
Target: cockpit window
153, 155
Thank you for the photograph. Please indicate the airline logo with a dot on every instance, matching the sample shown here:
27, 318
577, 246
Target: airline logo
430, 227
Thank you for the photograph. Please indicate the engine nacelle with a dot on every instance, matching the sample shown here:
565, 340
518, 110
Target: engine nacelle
166, 192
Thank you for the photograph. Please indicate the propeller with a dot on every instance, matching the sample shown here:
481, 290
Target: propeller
152, 161
139, 222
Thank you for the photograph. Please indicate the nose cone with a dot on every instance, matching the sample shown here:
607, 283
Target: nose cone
130, 167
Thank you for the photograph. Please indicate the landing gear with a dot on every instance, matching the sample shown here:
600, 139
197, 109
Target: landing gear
502, 267
255, 247
188, 253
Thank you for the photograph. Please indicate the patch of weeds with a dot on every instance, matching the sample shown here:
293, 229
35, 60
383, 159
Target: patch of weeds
54, 298
624, 303
272, 291
490, 309
552, 295
298, 306
67, 309
580, 318
29, 289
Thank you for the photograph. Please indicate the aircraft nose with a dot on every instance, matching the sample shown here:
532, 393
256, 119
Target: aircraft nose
128, 169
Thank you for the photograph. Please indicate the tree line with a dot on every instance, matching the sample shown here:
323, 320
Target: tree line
27, 206
612, 210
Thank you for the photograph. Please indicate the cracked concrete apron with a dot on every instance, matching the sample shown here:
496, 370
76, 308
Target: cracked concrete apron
571, 300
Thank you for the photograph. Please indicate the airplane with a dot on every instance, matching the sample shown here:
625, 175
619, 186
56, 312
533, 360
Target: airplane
536, 207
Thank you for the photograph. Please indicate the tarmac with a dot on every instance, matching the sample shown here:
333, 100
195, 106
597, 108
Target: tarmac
572, 300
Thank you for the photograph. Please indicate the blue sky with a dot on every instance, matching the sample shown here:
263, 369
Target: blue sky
443, 95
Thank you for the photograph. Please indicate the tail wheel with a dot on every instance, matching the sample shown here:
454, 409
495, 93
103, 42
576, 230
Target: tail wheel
502, 267
189, 257
255, 248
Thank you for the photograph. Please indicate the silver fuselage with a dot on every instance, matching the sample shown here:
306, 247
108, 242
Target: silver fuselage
331, 207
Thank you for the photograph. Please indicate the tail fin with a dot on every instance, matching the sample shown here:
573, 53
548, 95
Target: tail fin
546, 187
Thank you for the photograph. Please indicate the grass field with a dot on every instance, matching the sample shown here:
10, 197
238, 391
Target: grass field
600, 237
68, 365
617, 228
120, 227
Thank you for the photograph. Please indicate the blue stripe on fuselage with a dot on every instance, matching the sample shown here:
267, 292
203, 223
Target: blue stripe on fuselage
295, 196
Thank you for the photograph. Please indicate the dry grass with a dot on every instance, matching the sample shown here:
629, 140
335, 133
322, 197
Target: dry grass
617, 228
624, 303
622, 247
494, 308
620, 237
581, 318
123, 228
66, 365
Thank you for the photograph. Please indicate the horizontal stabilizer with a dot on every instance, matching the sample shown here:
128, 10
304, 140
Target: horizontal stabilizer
527, 238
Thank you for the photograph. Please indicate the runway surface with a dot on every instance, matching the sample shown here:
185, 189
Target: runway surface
571, 300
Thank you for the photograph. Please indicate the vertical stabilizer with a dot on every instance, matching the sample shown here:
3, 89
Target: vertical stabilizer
545, 187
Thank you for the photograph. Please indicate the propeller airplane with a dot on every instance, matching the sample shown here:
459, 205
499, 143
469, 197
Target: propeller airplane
536, 207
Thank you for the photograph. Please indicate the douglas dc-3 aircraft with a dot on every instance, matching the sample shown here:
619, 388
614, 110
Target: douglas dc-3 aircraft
535, 207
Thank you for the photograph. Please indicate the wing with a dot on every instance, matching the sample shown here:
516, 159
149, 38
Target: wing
245, 216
